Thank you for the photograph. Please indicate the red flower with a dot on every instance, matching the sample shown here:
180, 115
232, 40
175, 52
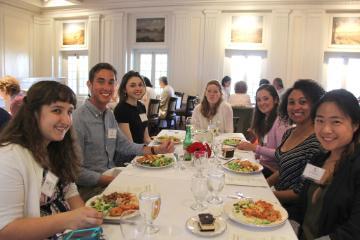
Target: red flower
198, 146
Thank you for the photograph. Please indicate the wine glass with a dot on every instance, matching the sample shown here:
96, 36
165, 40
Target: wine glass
149, 208
179, 157
200, 158
215, 183
199, 190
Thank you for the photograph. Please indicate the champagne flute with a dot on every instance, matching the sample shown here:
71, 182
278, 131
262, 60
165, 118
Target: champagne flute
149, 208
199, 190
215, 183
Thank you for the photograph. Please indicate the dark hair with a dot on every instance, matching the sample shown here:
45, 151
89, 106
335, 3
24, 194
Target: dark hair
60, 157
311, 90
100, 66
279, 82
263, 81
147, 81
260, 124
206, 110
164, 80
124, 81
225, 80
349, 106
240, 87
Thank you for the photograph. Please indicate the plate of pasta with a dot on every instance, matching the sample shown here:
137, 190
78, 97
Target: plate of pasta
116, 205
256, 213
243, 166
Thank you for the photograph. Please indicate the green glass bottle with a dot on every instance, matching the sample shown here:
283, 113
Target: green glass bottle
187, 142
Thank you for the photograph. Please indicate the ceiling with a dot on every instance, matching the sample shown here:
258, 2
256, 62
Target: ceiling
45, 5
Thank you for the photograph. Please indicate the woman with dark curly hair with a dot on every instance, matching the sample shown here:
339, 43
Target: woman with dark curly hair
299, 144
130, 113
39, 162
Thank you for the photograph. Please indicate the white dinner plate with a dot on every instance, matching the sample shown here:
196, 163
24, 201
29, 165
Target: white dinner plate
192, 224
110, 219
231, 138
240, 218
136, 163
225, 165
159, 140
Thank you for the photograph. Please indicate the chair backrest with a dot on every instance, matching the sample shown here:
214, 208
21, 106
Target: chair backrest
242, 117
190, 105
171, 107
153, 109
179, 96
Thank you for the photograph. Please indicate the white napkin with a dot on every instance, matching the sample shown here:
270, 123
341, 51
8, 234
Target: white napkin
245, 180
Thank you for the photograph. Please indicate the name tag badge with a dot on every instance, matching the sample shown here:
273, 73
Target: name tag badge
112, 133
143, 117
312, 172
48, 187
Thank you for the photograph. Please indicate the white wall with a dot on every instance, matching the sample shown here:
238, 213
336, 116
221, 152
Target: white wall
16, 42
196, 40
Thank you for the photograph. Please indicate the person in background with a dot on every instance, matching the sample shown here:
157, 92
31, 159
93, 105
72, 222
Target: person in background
279, 86
331, 204
39, 162
166, 94
4, 118
213, 109
11, 93
99, 136
299, 143
267, 129
225, 87
263, 81
130, 113
150, 93
240, 98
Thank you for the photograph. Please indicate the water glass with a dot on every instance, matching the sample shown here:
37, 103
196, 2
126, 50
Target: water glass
200, 161
215, 183
132, 229
199, 190
149, 208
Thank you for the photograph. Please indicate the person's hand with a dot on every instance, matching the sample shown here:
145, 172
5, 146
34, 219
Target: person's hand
84, 217
250, 135
246, 146
166, 147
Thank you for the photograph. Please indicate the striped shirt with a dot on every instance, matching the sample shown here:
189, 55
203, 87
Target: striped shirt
292, 163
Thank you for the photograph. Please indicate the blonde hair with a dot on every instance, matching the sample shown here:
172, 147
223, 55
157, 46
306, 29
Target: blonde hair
10, 85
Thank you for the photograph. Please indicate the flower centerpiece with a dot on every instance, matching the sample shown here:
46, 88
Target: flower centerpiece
199, 147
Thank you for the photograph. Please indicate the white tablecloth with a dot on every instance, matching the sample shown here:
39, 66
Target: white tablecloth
176, 198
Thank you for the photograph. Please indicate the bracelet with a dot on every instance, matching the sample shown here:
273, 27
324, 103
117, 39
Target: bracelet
153, 150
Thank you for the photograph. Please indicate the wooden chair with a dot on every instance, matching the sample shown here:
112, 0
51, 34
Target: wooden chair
187, 110
179, 96
170, 114
242, 117
153, 116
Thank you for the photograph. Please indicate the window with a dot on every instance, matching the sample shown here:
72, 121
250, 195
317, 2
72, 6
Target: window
152, 64
342, 71
77, 73
246, 66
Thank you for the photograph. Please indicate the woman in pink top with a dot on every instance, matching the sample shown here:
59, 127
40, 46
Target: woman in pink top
267, 129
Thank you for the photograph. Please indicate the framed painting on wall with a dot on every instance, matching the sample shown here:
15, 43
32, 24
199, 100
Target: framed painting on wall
74, 35
150, 30
345, 32
247, 29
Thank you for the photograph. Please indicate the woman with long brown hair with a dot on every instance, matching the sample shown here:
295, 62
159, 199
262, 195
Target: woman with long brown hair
213, 110
39, 163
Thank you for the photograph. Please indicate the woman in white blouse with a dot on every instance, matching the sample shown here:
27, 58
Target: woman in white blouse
214, 110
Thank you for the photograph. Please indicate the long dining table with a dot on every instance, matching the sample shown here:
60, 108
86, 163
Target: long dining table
173, 183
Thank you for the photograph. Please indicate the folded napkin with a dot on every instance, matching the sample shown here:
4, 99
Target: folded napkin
245, 180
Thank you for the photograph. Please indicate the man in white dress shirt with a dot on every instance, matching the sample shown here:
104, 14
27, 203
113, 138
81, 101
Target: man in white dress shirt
166, 94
